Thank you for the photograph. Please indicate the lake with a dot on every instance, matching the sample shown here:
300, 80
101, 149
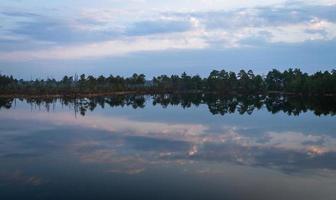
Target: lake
192, 146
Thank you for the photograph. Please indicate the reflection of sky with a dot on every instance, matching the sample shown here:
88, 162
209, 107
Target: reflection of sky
138, 142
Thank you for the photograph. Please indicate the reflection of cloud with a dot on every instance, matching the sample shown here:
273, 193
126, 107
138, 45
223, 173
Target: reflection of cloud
193, 150
313, 150
128, 171
122, 125
18, 177
129, 145
118, 163
300, 142
196, 134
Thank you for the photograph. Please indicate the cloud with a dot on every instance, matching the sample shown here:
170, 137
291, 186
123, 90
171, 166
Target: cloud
45, 30
157, 36
192, 40
296, 13
158, 26
58, 31
116, 32
13, 13
111, 48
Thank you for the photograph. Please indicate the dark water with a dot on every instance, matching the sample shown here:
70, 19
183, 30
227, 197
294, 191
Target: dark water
168, 147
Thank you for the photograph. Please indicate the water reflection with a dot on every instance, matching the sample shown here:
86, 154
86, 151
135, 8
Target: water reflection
292, 105
165, 151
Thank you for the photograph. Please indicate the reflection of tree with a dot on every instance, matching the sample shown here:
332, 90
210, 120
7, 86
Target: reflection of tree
217, 104
185, 100
294, 105
6, 103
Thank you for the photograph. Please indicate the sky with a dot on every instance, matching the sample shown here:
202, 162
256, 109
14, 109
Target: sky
40, 39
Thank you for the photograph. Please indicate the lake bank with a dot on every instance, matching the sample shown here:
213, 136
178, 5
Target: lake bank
98, 94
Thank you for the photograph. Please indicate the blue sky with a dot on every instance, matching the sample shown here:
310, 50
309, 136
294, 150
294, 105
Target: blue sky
53, 38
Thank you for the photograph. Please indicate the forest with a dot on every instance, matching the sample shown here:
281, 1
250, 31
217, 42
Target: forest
291, 81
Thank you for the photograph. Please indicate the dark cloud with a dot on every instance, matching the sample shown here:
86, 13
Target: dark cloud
46, 30
43, 28
156, 144
52, 30
19, 14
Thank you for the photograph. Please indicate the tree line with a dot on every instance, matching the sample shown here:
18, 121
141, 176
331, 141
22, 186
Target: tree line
227, 82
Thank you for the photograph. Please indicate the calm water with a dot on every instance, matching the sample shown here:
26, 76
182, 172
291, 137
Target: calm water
168, 147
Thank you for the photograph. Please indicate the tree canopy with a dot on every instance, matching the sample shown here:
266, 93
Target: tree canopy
227, 82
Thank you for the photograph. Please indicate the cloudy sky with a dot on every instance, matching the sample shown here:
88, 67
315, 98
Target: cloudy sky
52, 38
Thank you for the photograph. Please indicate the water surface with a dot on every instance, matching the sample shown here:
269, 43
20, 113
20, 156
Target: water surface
168, 147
